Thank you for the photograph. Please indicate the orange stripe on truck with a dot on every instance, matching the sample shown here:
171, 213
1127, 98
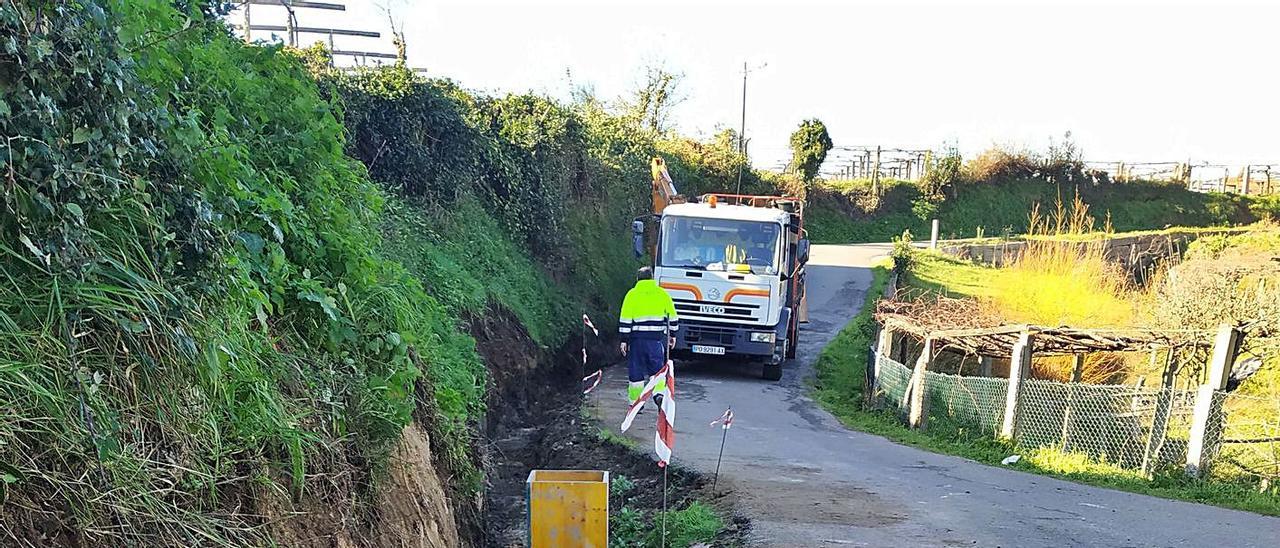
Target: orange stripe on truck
697, 293
748, 292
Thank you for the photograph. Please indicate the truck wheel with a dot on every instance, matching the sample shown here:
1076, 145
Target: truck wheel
772, 371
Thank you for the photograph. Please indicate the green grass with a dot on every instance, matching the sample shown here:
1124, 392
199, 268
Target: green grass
468, 261
696, 523
607, 435
1000, 209
938, 273
1261, 240
840, 384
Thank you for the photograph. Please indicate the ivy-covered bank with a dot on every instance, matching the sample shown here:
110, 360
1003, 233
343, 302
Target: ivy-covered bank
233, 283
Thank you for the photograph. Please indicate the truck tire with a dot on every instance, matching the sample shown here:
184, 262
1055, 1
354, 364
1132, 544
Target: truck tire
792, 338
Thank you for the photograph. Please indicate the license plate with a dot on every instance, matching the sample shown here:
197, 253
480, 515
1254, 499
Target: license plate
703, 349
710, 309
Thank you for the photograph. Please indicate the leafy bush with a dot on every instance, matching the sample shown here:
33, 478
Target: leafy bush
195, 297
924, 208
903, 254
809, 146
1060, 163
627, 529
942, 172
620, 485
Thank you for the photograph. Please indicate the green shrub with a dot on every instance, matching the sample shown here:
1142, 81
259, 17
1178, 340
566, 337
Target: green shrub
924, 208
809, 146
627, 529
195, 300
943, 172
903, 254
620, 485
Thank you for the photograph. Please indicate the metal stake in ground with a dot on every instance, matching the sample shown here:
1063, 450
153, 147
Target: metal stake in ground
582, 330
664, 506
724, 421
666, 361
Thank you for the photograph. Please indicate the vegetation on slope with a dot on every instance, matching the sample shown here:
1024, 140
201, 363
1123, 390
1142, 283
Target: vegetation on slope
205, 295
993, 192
193, 300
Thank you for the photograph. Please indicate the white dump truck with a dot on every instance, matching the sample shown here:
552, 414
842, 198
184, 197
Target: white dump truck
734, 266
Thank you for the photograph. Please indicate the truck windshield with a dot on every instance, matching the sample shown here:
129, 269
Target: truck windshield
720, 244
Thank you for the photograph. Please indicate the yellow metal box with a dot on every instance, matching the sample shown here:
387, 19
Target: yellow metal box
568, 508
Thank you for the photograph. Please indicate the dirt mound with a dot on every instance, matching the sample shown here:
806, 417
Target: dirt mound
411, 508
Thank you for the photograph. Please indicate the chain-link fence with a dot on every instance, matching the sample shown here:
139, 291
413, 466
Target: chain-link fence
1249, 440
1130, 427
1127, 426
894, 378
976, 402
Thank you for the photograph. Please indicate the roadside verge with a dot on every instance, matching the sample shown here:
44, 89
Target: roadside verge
839, 388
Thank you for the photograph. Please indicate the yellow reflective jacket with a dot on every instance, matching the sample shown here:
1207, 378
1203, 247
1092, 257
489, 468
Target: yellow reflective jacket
647, 311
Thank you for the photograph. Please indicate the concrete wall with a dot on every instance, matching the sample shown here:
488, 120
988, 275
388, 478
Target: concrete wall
1138, 254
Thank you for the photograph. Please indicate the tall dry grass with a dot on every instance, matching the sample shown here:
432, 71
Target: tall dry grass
1064, 278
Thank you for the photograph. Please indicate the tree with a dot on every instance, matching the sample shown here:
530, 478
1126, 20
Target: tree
809, 146
655, 98
942, 171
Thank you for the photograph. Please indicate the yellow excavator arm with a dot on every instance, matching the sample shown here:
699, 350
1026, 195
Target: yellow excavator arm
664, 189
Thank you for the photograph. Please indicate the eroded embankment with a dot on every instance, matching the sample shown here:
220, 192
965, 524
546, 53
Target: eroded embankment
535, 421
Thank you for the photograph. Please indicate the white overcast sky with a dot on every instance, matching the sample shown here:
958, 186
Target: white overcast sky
1133, 81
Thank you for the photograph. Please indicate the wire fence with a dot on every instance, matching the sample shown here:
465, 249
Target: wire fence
893, 380
974, 401
1144, 429
1249, 440
1122, 425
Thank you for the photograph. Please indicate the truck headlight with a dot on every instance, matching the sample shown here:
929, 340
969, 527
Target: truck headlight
762, 337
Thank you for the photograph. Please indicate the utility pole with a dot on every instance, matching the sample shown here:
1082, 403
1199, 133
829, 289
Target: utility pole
742, 129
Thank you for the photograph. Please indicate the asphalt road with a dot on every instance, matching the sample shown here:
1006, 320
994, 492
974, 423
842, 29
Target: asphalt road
805, 480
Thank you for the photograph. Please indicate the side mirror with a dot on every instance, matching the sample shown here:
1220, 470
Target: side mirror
802, 251
637, 237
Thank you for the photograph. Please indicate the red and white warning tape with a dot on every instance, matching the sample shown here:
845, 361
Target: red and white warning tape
725, 420
594, 379
664, 436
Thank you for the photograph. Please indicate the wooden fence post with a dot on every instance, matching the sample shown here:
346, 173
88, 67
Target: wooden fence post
1164, 406
933, 235
1077, 373
918, 416
875, 175
1019, 369
1203, 421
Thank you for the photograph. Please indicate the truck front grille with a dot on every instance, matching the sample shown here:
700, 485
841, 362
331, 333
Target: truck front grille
708, 334
688, 308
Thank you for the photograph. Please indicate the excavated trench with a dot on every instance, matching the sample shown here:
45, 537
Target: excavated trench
535, 422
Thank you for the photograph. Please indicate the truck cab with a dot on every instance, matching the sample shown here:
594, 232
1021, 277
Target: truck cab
734, 267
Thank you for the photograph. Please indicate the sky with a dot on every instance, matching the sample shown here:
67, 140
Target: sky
1136, 81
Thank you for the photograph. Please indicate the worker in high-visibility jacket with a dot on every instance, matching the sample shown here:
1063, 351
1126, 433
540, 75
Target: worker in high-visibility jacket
647, 323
